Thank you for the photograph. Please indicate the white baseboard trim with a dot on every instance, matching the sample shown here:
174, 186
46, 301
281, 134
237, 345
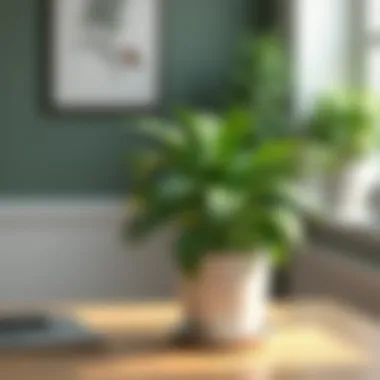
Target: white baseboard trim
95, 210
74, 250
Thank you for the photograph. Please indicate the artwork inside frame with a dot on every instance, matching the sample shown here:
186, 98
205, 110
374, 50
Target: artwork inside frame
104, 55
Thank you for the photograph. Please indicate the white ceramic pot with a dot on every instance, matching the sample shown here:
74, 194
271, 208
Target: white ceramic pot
228, 298
347, 193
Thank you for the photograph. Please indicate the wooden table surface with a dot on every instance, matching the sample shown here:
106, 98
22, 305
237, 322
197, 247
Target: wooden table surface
304, 340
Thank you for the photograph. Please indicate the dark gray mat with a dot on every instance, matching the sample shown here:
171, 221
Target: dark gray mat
58, 333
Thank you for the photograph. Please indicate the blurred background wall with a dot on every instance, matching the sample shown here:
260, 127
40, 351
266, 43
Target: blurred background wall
47, 155
62, 178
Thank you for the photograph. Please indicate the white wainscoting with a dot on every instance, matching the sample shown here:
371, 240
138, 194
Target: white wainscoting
326, 273
73, 250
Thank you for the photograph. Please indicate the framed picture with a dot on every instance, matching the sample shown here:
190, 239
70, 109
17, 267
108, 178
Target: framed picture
104, 55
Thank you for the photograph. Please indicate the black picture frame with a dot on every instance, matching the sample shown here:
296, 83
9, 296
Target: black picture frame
47, 37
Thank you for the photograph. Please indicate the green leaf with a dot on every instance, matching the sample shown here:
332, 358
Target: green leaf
144, 163
238, 132
163, 132
203, 130
175, 188
280, 154
287, 225
222, 203
261, 81
267, 166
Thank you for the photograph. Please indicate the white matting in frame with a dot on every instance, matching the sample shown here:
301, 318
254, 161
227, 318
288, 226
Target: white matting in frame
104, 54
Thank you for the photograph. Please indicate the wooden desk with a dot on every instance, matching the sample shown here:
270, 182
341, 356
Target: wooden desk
305, 340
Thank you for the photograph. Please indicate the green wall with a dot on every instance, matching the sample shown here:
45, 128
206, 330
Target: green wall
43, 155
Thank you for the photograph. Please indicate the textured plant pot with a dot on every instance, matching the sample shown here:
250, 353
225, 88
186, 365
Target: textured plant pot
347, 192
226, 302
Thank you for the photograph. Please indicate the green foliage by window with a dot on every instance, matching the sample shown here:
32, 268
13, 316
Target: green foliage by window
224, 188
345, 124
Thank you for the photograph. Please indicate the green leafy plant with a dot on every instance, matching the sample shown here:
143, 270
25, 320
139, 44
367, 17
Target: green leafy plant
222, 187
345, 125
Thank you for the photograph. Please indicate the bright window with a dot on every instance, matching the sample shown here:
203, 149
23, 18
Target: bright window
372, 44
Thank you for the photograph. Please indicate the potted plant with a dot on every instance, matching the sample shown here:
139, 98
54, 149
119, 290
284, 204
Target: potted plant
229, 195
344, 127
